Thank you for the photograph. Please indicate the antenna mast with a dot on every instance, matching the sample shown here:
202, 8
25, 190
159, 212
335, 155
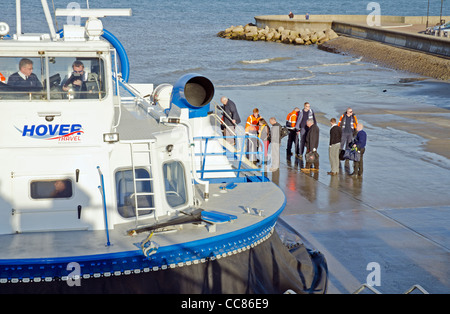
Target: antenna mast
49, 19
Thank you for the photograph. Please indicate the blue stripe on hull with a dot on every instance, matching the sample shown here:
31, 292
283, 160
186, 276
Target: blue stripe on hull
124, 263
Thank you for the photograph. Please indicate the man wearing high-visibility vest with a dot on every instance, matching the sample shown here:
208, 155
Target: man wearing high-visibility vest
348, 124
291, 120
251, 128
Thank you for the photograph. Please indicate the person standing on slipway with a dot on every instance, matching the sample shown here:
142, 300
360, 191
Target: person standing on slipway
264, 136
304, 115
360, 144
348, 123
291, 121
335, 144
312, 143
275, 143
252, 128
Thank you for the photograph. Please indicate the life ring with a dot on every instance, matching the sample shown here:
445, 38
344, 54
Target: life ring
2, 78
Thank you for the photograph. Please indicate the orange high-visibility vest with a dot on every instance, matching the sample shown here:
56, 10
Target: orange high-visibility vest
252, 124
291, 118
354, 121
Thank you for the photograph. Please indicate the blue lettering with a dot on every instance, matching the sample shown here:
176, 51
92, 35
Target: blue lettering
52, 129
64, 129
76, 127
26, 130
41, 130
45, 130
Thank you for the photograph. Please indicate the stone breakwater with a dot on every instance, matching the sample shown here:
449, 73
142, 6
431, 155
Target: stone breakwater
302, 37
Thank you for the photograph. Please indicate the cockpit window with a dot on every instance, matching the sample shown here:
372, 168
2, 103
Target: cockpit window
21, 78
68, 78
80, 78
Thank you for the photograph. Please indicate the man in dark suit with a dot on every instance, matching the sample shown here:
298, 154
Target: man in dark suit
231, 117
25, 76
312, 143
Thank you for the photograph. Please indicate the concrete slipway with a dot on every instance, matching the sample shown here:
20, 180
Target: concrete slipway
396, 215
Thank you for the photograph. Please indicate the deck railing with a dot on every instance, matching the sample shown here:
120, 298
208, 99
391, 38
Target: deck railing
105, 211
238, 156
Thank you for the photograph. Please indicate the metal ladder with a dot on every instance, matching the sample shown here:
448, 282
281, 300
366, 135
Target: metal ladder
134, 153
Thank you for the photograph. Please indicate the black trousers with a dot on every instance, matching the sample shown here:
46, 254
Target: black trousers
292, 139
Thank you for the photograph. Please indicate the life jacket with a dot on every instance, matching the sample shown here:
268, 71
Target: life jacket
2, 78
252, 124
291, 119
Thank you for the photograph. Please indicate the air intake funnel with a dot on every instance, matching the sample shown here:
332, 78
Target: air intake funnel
195, 92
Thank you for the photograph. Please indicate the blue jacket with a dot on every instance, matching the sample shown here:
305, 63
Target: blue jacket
361, 139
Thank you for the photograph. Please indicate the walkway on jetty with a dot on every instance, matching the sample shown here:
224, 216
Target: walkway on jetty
401, 31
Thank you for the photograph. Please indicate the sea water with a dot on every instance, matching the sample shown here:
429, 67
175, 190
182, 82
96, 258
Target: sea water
166, 39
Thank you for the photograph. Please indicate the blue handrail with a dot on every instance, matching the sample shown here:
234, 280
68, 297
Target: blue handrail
237, 155
121, 52
105, 212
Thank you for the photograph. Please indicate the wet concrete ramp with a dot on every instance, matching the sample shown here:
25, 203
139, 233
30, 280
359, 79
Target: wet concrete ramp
397, 215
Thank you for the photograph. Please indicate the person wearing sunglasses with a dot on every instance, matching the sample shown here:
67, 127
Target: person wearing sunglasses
76, 82
348, 123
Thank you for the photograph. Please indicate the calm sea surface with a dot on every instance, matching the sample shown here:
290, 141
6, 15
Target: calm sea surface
166, 39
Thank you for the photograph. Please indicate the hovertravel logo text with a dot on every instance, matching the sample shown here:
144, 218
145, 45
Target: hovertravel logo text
58, 132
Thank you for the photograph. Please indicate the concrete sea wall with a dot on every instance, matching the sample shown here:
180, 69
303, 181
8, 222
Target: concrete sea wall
419, 42
397, 43
392, 31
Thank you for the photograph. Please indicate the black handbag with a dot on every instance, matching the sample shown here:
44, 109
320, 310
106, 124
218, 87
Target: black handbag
341, 154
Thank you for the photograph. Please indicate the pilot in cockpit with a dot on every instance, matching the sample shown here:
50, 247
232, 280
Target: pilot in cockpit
25, 76
76, 81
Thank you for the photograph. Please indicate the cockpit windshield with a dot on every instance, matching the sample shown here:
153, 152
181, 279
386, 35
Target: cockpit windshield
51, 78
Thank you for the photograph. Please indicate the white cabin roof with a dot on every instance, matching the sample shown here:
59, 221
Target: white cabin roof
11, 46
